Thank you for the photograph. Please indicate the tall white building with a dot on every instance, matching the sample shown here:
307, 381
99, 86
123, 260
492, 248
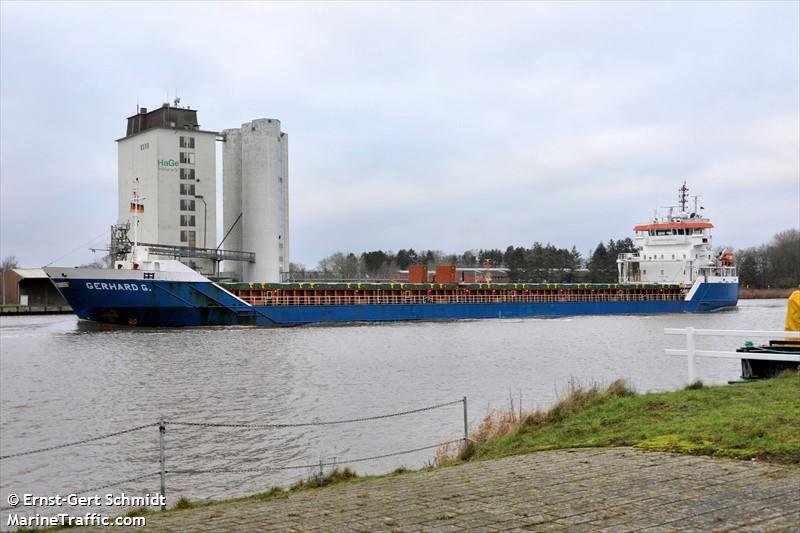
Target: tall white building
172, 163
255, 176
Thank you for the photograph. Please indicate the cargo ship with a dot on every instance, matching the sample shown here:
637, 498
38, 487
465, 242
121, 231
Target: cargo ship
674, 270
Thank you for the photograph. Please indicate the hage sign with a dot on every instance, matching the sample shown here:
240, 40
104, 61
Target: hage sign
167, 164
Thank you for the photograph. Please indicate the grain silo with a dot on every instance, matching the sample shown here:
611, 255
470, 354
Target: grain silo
258, 187
232, 198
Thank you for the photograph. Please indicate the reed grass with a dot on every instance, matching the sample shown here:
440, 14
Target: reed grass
498, 423
758, 420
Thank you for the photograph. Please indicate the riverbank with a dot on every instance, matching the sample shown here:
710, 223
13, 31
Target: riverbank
763, 294
17, 310
757, 420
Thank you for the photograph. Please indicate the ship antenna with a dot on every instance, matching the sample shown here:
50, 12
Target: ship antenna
683, 196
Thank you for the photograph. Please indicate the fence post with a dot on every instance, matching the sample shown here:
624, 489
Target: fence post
690, 350
321, 471
466, 424
162, 429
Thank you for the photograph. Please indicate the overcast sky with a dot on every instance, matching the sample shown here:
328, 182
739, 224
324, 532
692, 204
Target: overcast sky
435, 126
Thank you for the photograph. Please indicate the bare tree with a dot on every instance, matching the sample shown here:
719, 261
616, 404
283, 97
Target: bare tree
10, 262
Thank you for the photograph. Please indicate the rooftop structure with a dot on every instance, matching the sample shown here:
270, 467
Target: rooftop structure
166, 116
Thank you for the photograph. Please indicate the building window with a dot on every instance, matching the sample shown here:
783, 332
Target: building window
187, 142
187, 205
187, 158
187, 188
187, 173
189, 237
187, 220
145, 146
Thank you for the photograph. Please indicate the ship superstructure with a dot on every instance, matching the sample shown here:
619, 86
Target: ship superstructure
676, 249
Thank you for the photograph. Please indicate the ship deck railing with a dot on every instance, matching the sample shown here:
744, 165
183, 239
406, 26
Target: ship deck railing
288, 300
719, 271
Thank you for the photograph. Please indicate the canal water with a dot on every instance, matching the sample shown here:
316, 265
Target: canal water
62, 380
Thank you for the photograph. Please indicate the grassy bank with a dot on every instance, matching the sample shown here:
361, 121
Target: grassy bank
753, 420
758, 294
750, 420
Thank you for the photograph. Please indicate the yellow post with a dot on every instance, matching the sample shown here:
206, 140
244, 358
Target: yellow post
793, 312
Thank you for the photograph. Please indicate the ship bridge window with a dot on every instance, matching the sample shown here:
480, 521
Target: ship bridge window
681, 231
698, 231
651, 232
662, 232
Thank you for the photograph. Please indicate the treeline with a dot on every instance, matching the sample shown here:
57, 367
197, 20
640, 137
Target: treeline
775, 264
539, 263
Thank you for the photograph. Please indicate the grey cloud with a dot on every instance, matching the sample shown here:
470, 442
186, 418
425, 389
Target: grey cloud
445, 126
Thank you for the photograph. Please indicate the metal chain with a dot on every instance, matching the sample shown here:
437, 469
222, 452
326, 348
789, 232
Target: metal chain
107, 485
338, 462
230, 425
362, 459
305, 424
76, 443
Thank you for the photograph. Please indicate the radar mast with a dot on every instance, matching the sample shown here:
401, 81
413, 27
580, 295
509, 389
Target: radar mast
683, 197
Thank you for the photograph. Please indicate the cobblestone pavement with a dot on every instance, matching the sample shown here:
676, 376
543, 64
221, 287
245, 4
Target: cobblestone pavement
617, 489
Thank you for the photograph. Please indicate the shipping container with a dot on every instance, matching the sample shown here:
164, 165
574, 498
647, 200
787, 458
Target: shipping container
445, 274
418, 273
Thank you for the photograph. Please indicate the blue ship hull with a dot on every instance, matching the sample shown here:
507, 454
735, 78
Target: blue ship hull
189, 303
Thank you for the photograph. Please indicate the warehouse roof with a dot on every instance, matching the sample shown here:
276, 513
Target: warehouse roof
30, 273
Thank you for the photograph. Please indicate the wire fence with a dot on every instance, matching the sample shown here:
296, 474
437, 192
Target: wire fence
318, 467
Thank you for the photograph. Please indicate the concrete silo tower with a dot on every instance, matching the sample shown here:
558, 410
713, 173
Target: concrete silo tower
232, 198
255, 184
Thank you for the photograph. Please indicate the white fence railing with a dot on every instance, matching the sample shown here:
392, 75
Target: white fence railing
691, 352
